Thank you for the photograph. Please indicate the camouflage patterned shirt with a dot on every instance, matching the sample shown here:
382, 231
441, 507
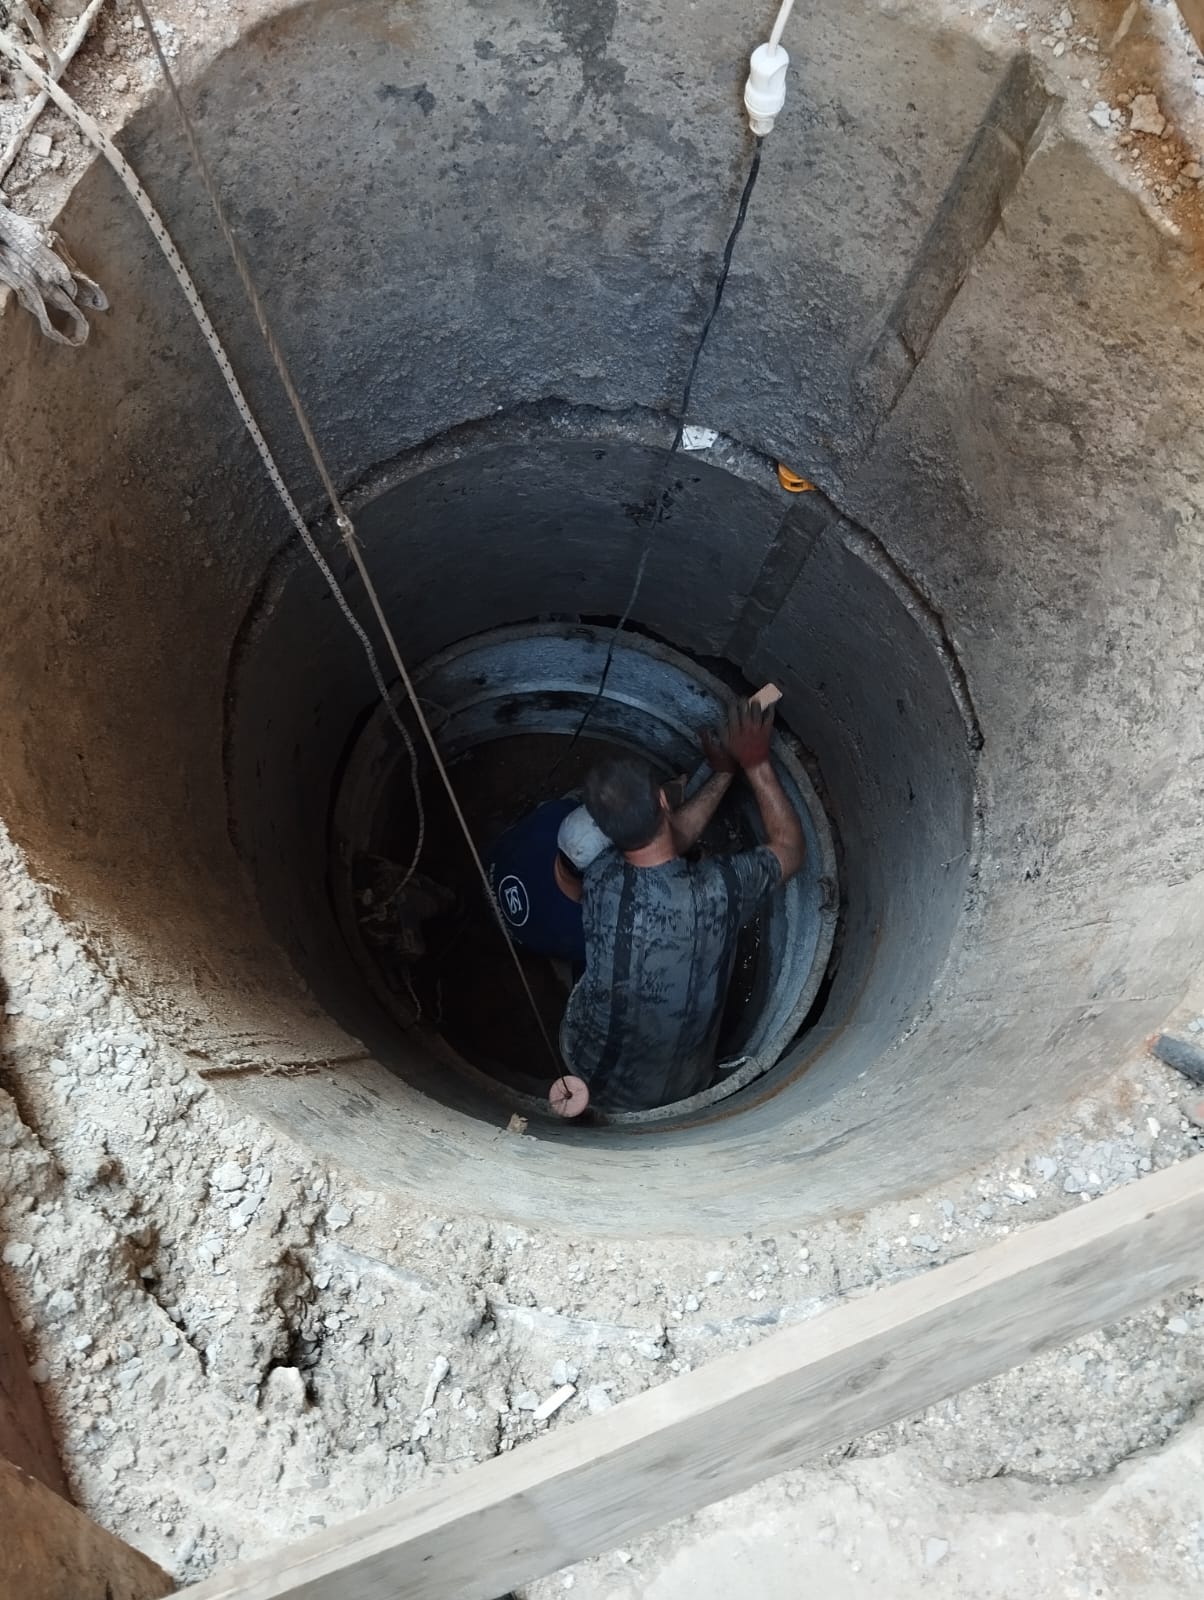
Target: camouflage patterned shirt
642, 1023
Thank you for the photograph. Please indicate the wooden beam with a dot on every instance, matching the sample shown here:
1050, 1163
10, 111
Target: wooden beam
51, 1551
747, 1416
25, 1433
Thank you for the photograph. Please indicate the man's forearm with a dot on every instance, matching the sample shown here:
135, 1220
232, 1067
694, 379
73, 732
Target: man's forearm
783, 831
688, 821
567, 881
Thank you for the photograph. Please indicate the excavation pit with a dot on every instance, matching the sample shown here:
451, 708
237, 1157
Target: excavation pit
985, 621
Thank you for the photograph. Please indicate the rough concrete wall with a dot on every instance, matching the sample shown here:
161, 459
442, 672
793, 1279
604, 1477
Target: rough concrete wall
500, 532
1052, 507
127, 560
898, 760
542, 524
493, 208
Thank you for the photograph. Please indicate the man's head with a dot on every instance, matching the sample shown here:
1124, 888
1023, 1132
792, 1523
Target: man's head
623, 795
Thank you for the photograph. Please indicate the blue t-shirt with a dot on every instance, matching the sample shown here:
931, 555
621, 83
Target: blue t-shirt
521, 866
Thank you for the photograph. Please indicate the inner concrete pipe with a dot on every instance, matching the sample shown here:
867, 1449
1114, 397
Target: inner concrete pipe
488, 236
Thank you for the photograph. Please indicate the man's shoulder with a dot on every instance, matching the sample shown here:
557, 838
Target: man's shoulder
607, 867
721, 865
727, 873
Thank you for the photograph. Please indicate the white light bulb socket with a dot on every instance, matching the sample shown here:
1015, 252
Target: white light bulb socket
765, 91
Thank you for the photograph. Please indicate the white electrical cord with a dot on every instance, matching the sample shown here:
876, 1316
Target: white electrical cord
765, 90
784, 10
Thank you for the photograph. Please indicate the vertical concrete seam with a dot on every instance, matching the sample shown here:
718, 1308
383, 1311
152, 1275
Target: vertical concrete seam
799, 533
967, 217
802, 526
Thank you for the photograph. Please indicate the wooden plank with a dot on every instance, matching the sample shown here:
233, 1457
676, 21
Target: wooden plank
51, 1551
25, 1433
747, 1416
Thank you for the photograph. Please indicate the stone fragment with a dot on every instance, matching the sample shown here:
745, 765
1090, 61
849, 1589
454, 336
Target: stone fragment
228, 1177
1145, 117
284, 1391
61, 1303
553, 1403
439, 1371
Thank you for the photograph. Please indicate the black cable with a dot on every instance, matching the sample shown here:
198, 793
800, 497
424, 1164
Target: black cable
665, 498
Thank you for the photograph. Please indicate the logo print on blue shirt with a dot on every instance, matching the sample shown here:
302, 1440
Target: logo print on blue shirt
512, 892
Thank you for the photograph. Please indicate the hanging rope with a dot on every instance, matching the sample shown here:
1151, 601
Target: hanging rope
96, 136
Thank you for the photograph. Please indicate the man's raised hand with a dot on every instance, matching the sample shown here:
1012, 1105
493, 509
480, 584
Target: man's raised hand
749, 729
719, 757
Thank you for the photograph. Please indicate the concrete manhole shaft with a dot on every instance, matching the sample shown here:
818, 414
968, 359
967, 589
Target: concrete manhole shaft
506, 706
486, 247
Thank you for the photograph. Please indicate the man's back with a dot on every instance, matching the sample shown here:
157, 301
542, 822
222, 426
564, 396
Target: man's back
641, 1025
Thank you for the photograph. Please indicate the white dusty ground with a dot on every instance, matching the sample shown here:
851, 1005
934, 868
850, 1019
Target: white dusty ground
239, 1345
890, 1528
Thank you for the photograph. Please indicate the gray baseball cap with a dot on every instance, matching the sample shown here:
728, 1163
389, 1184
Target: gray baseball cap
581, 839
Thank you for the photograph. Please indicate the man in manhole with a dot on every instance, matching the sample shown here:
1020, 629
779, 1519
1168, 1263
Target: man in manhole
642, 1022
